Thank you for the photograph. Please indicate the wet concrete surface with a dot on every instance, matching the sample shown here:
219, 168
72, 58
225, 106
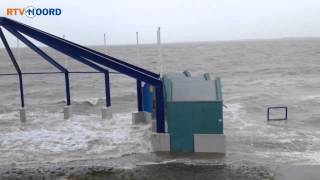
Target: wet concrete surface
140, 166
298, 172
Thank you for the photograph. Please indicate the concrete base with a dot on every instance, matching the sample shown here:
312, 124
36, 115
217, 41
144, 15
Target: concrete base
141, 117
106, 113
210, 143
67, 112
160, 142
154, 125
23, 116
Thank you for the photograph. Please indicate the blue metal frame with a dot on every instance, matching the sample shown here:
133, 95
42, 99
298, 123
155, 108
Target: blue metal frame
277, 107
47, 58
61, 68
37, 50
70, 72
66, 47
96, 60
15, 64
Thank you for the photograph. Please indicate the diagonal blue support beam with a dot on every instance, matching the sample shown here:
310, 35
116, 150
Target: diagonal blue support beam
88, 63
2, 22
37, 50
15, 64
47, 58
112, 58
62, 69
6, 45
51, 60
63, 46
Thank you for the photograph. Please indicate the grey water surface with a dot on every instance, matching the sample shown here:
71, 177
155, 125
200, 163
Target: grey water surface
255, 75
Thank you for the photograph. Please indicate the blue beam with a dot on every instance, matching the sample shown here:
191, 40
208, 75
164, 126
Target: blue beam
47, 58
160, 109
89, 63
107, 89
15, 64
66, 76
37, 50
21, 90
9, 74
57, 65
3, 21
112, 58
100, 69
64, 47
139, 95
6, 45
70, 72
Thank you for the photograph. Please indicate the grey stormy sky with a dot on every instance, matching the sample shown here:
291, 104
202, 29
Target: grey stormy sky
85, 21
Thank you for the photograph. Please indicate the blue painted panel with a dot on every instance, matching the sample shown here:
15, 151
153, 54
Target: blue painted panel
148, 94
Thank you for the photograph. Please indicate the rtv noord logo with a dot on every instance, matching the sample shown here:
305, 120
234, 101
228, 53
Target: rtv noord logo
32, 11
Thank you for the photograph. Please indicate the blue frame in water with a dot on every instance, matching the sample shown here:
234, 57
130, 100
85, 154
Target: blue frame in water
96, 60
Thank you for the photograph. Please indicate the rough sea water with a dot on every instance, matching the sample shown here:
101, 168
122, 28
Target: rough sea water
255, 75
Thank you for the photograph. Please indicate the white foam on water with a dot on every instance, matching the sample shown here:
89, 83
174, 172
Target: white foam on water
91, 101
309, 157
236, 117
315, 97
280, 141
81, 135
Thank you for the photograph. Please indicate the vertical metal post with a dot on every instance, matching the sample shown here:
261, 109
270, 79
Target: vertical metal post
21, 90
159, 50
138, 48
160, 109
139, 95
107, 88
14, 61
105, 41
286, 113
66, 75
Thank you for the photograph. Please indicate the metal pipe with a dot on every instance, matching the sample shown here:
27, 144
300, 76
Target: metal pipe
160, 109
107, 89
69, 47
35, 73
66, 75
75, 72
139, 95
21, 90
16, 65
37, 50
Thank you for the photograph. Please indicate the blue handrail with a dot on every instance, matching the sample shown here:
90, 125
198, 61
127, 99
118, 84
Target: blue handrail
96, 60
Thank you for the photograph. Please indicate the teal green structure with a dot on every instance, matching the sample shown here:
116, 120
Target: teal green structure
193, 105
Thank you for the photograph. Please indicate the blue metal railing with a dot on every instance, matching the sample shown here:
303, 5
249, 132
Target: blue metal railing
96, 60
